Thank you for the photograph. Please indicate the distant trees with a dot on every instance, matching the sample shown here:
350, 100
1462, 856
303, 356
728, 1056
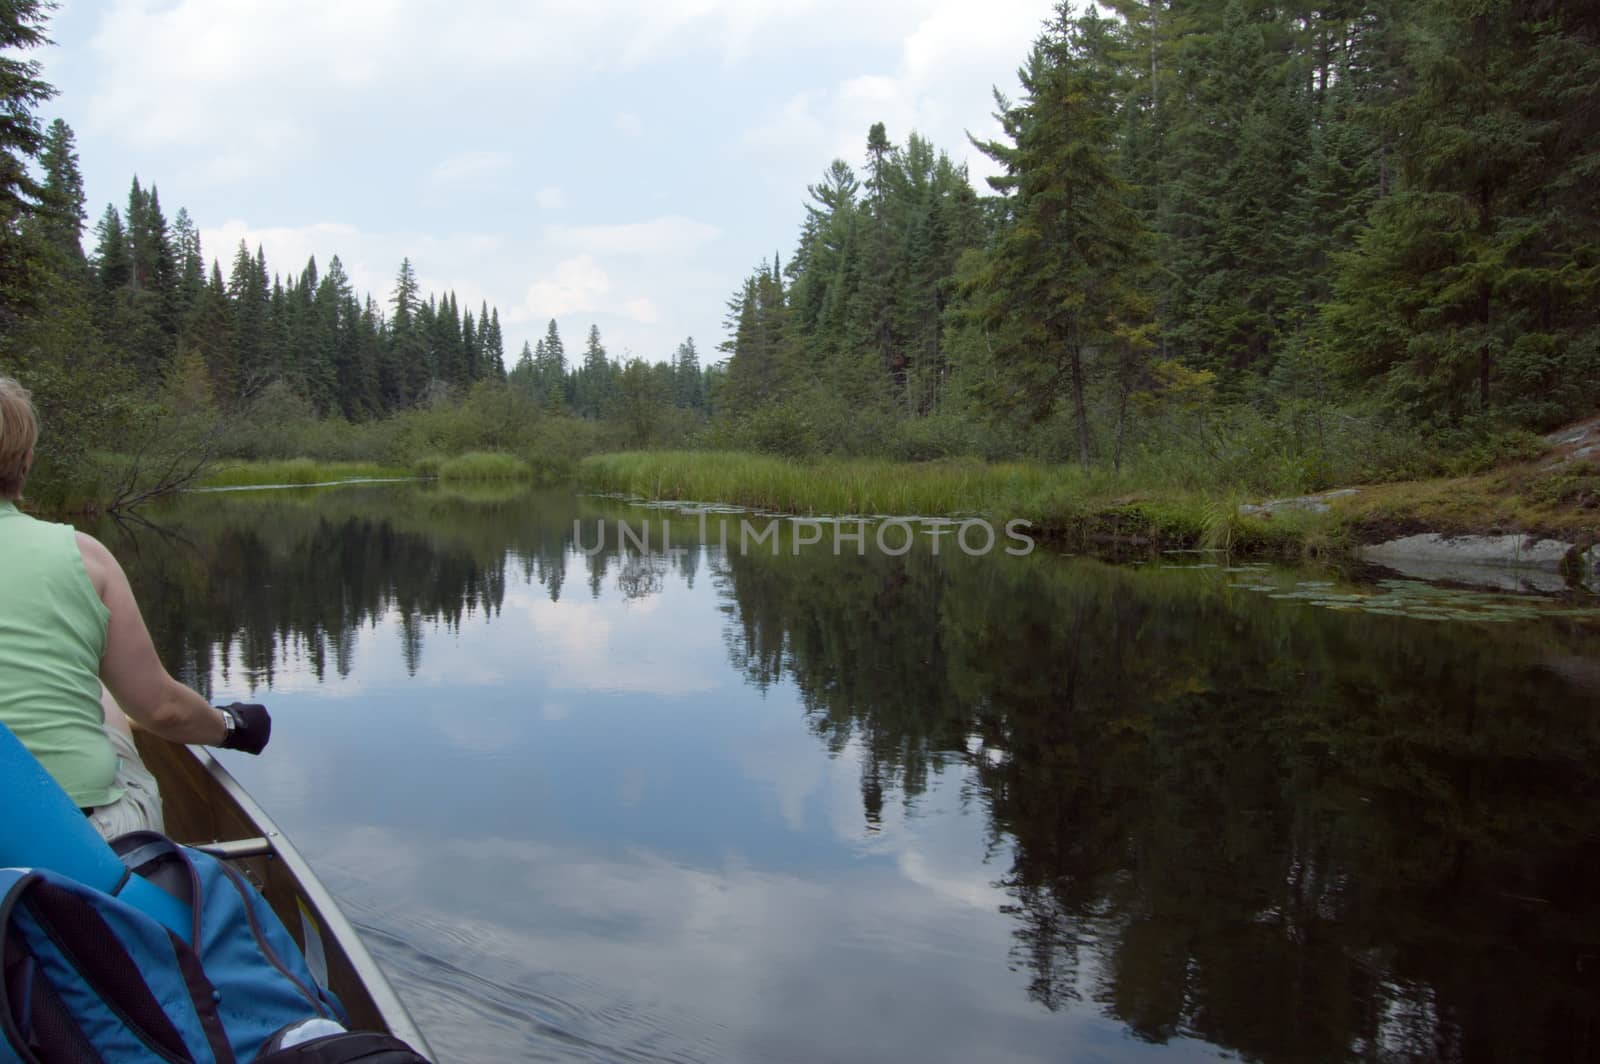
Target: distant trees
154, 309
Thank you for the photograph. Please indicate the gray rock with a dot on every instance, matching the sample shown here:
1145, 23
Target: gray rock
1505, 552
1317, 504
1487, 577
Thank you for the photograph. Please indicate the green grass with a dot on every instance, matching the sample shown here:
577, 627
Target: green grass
820, 486
1094, 509
295, 471
479, 465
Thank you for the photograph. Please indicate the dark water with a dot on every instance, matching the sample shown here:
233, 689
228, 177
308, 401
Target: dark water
705, 805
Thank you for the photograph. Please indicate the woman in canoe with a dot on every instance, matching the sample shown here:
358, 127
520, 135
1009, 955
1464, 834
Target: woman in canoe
75, 655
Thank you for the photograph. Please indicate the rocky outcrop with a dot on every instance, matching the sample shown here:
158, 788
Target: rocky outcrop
1575, 443
1508, 562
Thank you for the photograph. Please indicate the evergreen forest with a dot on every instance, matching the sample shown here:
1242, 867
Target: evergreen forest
1272, 245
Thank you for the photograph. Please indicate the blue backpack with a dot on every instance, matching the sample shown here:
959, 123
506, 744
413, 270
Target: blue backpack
88, 977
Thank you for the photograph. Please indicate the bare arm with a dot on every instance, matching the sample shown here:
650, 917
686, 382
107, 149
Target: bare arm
130, 667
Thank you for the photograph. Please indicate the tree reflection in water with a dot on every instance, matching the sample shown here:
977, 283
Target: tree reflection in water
1295, 833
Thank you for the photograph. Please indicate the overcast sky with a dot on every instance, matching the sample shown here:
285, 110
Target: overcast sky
625, 164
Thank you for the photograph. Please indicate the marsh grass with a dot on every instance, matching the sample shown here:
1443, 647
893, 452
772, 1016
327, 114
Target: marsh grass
826, 486
478, 465
296, 471
1061, 501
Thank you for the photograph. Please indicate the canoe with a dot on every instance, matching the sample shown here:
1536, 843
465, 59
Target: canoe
205, 807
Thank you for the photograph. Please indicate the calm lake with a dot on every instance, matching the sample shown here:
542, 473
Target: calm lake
701, 804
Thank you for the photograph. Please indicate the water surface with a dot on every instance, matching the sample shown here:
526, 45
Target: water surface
693, 804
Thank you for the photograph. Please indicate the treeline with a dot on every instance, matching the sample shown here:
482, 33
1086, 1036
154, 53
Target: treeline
1212, 206
157, 314
1232, 243
594, 386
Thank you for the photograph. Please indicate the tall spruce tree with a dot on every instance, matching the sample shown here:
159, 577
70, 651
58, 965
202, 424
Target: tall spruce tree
494, 345
595, 386
688, 384
1056, 290
61, 197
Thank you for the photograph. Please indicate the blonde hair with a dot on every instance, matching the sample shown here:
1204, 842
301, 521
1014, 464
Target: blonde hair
19, 431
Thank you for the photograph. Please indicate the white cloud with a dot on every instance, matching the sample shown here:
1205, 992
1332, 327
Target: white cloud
670, 236
642, 310
215, 71
286, 247
578, 285
596, 647
628, 124
941, 88
550, 198
472, 166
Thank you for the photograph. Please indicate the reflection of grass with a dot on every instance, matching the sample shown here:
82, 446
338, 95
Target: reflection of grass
482, 465
479, 492
295, 471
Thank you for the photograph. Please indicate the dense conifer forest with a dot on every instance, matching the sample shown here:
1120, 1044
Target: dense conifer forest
1295, 242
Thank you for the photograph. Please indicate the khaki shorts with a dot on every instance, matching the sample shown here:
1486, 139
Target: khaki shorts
140, 805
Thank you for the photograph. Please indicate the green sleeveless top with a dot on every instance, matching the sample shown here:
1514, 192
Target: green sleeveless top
52, 633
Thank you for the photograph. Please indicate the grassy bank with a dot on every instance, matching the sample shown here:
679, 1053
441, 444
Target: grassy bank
1099, 511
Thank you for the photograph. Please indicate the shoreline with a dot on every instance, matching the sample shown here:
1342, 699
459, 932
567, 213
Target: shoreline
1508, 519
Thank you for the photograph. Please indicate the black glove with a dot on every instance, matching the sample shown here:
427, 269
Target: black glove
252, 727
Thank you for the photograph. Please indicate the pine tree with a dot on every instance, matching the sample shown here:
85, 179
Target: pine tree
756, 343
471, 348
550, 369
494, 347
111, 263
190, 261
21, 140
818, 269
208, 332
404, 372
595, 385
524, 377
688, 385
1057, 288
250, 297
61, 197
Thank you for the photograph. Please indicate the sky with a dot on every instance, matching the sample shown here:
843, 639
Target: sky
625, 165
